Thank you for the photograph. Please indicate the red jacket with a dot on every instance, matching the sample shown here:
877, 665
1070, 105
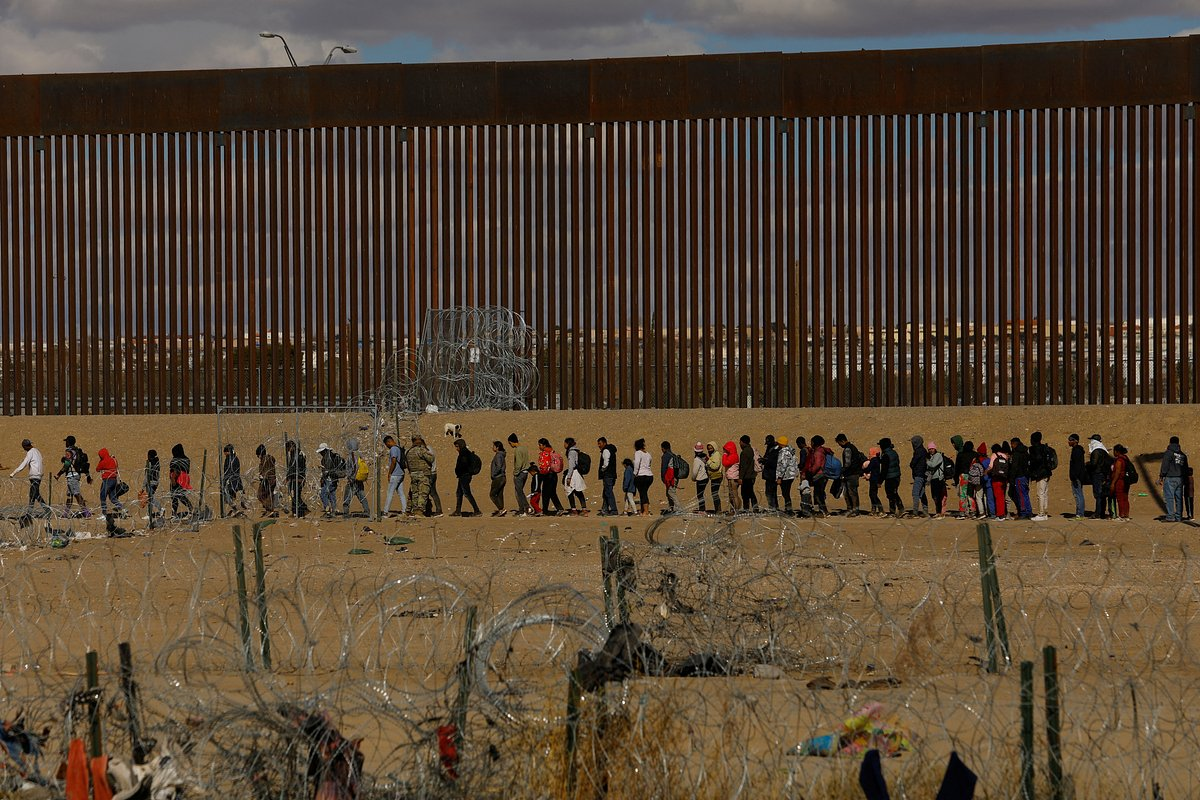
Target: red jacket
107, 465
815, 464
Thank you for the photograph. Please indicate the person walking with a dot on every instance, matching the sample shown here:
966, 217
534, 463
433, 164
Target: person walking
889, 465
550, 467
786, 473
179, 472
33, 462
110, 477
999, 471
573, 478
433, 501
231, 480
770, 472
420, 475
732, 464
814, 470
670, 478
985, 458
935, 476
1122, 472
499, 475
629, 487
296, 464
700, 475
716, 471
152, 474
976, 476
852, 470
267, 479
1019, 481
747, 473
918, 466
1170, 477
1100, 471
69, 469
1043, 460
520, 465
465, 468
607, 472
959, 464
333, 469
643, 475
397, 470
874, 475
1077, 474
357, 472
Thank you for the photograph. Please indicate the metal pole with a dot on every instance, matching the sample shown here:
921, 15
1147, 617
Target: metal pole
93, 687
239, 564
1053, 721
1027, 730
466, 670
261, 597
989, 618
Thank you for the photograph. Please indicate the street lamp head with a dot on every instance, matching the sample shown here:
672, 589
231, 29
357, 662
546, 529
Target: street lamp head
286, 49
345, 48
268, 35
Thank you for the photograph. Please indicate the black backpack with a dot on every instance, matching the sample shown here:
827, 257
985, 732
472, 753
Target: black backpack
681, 467
404, 459
1052, 458
1131, 474
82, 466
476, 463
583, 462
1000, 467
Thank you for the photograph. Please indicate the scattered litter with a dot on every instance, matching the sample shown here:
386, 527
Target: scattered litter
395, 540
401, 550
825, 682
360, 551
864, 731
1087, 543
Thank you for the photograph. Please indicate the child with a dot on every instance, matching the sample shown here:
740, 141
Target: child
874, 473
150, 487
628, 488
535, 490
975, 476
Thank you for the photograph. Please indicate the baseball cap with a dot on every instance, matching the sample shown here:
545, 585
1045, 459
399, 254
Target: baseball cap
26, 443
70, 441
322, 447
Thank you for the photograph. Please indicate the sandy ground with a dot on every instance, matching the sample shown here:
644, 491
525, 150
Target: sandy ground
1108, 572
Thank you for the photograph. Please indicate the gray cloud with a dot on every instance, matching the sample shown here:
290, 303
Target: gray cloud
100, 35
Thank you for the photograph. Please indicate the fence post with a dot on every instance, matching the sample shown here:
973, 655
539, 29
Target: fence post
261, 593
203, 479
239, 565
574, 693
989, 612
93, 688
606, 576
466, 671
1027, 730
1053, 721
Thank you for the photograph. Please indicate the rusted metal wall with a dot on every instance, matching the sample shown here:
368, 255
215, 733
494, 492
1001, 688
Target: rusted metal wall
979, 225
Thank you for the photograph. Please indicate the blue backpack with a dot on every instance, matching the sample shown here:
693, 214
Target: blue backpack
833, 467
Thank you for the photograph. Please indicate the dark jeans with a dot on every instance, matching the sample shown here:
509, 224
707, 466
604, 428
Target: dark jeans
785, 486
749, 498
714, 487
818, 484
701, 486
1100, 492
464, 490
850, 487
938, 490
179, 495
873, 493
497, 493
518, 483
771, 490
550, 492
434, 504
108, 491
608, 503
35, 492
891, 487
296, 490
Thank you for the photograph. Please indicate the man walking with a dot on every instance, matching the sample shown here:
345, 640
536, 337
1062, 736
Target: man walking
397, 464
1170, 478
420, 471
747, 472
919, 466
333, 469
297, 473
33, 461
70, 470
1042, 463
852, 470
357, 472
231, 480
607, 473
670, 478
465, 468
520, 473
1077, 474
1020, 478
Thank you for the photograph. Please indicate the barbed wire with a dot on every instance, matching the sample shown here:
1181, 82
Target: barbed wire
768, 631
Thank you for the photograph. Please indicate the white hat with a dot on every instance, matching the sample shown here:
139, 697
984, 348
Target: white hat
322, 447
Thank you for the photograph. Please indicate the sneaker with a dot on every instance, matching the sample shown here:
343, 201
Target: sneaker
456, 513
1040, 518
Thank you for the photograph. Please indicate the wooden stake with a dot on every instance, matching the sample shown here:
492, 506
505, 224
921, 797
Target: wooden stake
239, 565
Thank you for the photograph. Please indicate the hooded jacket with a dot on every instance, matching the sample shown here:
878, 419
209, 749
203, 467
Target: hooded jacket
1077, 471
713, 463
746, 467
107, 465
1020, 461
787, 469
1039, 458
889, 460
919, 464
1174, 463
729, 460
1099, 461
770, 461
956, 441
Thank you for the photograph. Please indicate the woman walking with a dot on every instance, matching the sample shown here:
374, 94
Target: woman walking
573, 479
110, 477
732, 464
700, 474
550, 466
643, 475
786, 472
499, 475
180, 472
716, 472
464, 470
1119, 486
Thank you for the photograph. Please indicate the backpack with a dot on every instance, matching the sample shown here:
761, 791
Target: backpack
937, 473
403, 461
476, 463
1000, 466
1052, 458
1131, 474
362, 469
681, 467
583, 462
556, 462
82, 466
833, 467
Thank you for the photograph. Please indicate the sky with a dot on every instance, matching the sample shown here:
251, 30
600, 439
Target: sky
47, 36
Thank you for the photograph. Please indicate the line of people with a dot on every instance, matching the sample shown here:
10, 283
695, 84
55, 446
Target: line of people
75, 469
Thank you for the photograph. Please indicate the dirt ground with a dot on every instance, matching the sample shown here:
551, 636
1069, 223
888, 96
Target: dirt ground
1088, 586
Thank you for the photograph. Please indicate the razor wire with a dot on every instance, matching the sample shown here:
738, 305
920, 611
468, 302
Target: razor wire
467, 358
770, 630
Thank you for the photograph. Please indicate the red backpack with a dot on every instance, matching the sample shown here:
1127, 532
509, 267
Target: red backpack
556, 462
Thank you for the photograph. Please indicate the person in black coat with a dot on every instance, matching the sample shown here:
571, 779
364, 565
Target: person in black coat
464, 470
231, 480
1077, 472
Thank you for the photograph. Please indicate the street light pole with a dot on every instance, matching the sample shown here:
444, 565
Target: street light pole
345, 48
286, 49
